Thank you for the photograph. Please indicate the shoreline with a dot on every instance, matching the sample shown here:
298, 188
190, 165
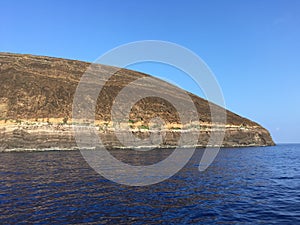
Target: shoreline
125, 149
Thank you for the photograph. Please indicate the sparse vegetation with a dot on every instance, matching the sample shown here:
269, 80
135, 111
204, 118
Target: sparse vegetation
18, 121
5, 119
144, 127
65, 120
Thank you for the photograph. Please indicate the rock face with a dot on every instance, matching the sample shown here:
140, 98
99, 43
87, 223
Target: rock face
36, 99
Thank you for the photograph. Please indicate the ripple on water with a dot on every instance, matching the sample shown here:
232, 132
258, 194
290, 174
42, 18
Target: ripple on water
248, 185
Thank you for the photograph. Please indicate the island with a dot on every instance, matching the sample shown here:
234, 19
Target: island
36, 100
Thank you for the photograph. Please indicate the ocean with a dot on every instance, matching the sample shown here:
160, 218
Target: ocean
255, 185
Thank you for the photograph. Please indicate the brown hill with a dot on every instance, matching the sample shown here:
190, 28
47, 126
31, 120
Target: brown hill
37, 89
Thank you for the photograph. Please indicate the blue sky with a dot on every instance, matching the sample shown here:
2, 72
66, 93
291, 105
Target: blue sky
253, 47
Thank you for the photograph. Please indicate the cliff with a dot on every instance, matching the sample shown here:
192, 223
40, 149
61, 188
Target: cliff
36, 99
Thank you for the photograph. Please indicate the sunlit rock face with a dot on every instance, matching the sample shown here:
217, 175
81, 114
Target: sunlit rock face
36, 100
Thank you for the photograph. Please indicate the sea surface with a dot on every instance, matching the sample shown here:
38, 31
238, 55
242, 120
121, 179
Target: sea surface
257, 185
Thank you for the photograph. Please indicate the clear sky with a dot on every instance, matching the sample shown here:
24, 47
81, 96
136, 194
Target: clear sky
253, 47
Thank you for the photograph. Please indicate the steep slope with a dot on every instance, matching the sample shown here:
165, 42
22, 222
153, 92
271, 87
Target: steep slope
36, 99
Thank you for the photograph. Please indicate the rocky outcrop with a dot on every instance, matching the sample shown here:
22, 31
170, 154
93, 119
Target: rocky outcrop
49, 137
36, 98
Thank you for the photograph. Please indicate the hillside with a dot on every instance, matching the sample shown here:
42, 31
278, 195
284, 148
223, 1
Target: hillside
36, 99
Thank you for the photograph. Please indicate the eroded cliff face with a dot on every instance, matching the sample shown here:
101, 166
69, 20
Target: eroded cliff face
49, 137
36, 99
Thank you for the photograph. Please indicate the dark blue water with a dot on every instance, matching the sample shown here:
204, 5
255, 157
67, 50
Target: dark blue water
246, 185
